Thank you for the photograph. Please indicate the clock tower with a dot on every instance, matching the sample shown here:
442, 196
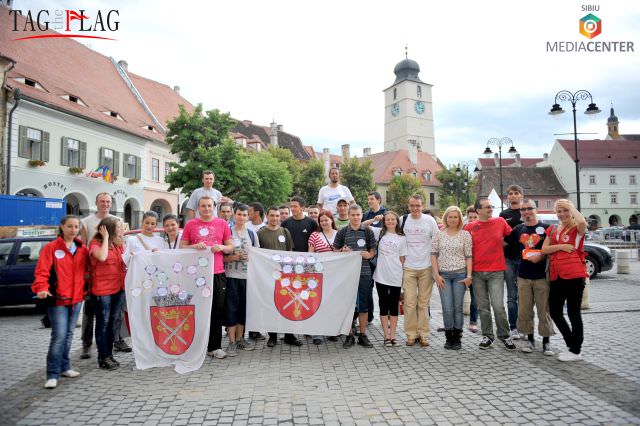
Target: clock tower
408, 110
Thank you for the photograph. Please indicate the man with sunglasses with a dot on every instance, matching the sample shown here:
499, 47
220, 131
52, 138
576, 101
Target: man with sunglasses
487, 234
512, 256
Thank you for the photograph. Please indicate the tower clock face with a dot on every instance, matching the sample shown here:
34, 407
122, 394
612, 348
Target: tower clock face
419, 107
395, 110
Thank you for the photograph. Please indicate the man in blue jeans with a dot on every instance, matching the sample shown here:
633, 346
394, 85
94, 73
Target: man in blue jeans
512, 256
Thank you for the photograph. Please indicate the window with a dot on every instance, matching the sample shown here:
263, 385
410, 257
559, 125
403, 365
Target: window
614, 197
74, 99
537, 203
593, 198
419, 91
633, 198
114, 115
132, 165
632, 179
33, 144
29, 252
155, 170
397, 172
612, 179
111, 159
414, 174
73, 153
395, 93
592, 179
427, 176
5, 252
167, 168
549, 204
432, 199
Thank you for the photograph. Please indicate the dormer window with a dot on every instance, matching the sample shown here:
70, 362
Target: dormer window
397, 172
150, 128
29, 82
114, 115
74, 99
427, 176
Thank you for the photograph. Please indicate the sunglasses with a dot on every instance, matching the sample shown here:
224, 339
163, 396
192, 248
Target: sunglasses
527, 209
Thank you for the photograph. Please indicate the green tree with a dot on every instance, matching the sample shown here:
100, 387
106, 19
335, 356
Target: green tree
272, 184
294, 165
400, 189
357, 175
312, 178
454, 186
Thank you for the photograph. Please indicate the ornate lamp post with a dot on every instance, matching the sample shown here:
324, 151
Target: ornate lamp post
573, 98
512, 150
466, 165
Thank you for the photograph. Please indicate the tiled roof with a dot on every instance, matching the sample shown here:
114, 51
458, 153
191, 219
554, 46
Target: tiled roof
62, 66
286, 140
510, 162
604, 153
386, 163
533, 180
631, 137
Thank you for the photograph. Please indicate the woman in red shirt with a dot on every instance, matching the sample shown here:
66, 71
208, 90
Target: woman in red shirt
565, 246
107, 272
59, 277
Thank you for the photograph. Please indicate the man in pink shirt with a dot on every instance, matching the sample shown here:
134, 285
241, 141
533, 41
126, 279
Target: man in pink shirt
210, 233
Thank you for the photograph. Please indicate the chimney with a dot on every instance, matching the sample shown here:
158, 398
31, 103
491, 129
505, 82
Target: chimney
413, 151
274, 133
545, 157
496, 160
366, 152
345, 152
517, 162
176, 89
326, 159
124, 65
280, 127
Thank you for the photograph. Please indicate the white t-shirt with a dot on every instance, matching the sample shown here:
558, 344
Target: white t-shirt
419, 233
389, 269
90, 224
192, 204
134, 245
255, 228
241, 243
328, 197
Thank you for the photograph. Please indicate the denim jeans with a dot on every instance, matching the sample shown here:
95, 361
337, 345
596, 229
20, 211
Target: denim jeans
452, 298
473, 307
489, 289
511, 280
107, 308
63, 322
88, 316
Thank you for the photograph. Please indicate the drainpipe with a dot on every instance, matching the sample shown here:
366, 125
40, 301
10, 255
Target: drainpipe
16, 98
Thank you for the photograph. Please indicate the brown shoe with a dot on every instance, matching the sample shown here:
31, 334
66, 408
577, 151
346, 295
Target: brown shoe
411, 342
424, 342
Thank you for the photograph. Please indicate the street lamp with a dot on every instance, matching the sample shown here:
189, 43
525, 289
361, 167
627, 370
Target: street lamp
580, 95
500, 143
466, 165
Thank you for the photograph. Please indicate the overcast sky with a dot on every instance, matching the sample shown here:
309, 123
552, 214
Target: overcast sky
319, 68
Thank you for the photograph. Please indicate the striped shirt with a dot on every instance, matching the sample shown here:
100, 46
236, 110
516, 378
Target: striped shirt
361, 239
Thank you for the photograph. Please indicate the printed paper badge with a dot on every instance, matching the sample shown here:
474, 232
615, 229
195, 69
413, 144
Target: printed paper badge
173, 321
59, 254
298, 295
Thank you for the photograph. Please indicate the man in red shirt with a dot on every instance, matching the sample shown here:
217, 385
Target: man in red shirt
209, 232
487, 234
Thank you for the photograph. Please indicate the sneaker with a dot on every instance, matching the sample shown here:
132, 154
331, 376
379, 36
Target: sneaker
363, 340
473, 328
121, 346
528, 347
255, 335
569, 357
272, 341
70, 373
218, 353
243, 345
51, 383
546, 349
394, 343
332, 338
486, 342
107, 364
317, 341
514, 334
114, 361
508, 343
387, 342
232, 349
86, 352
441, 329
349, 341
411, 342
292, 340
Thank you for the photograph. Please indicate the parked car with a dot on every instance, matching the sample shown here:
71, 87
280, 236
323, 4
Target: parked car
18, 259
598, 258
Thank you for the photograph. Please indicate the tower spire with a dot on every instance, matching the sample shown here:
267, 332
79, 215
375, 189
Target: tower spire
406, 51
612, 125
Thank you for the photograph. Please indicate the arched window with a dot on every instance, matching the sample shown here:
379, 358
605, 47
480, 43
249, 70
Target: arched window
419, 91
395, 93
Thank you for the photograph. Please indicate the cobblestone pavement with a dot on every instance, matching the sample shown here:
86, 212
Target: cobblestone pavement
328, 385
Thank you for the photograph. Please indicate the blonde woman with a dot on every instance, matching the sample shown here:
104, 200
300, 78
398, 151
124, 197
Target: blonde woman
452, 268
567, 271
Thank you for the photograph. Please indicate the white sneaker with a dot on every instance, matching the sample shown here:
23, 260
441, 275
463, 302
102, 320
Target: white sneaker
70, 373
50, 384
546, 349
218, 353
514, 334
528, 347
569, 356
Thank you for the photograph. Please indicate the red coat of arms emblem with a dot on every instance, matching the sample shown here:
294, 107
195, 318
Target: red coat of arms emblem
173, 327
298, 296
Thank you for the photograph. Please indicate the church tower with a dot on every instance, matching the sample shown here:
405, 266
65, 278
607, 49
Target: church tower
408, 110
612, 124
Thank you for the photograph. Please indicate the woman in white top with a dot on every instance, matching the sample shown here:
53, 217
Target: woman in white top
145, 240
172, 232
392, 250
452, 265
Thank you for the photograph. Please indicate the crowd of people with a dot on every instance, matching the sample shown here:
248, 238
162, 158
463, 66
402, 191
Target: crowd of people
401, 256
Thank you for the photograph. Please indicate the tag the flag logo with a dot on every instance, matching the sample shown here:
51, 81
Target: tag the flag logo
298, 296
